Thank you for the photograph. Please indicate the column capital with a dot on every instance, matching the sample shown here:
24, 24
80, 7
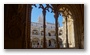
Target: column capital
56, 15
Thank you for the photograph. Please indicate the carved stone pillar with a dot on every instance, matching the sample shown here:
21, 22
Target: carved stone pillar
28, 25
67, 44
56, 23
44, 27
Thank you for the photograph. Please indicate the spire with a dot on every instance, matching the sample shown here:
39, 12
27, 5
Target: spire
40, 18
58, 24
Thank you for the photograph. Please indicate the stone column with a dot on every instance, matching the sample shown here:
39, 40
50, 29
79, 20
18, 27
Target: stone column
44, 26
67, 44
28, 25
56, 23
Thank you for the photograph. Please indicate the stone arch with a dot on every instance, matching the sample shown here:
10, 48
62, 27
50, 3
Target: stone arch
42, 32
42, 41
35, 42
66, 13
60, 32
52, 43
76, 15
51, 32
61, 42
53, 40
35, 32
71, 8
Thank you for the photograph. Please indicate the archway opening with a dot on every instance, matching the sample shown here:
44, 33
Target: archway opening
36, 26
66, 30
48, 29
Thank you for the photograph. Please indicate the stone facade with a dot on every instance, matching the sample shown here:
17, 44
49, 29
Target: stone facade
37, 33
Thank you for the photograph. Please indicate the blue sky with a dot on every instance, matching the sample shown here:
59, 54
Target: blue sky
36, 12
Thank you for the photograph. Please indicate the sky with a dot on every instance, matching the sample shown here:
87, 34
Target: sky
36, 12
